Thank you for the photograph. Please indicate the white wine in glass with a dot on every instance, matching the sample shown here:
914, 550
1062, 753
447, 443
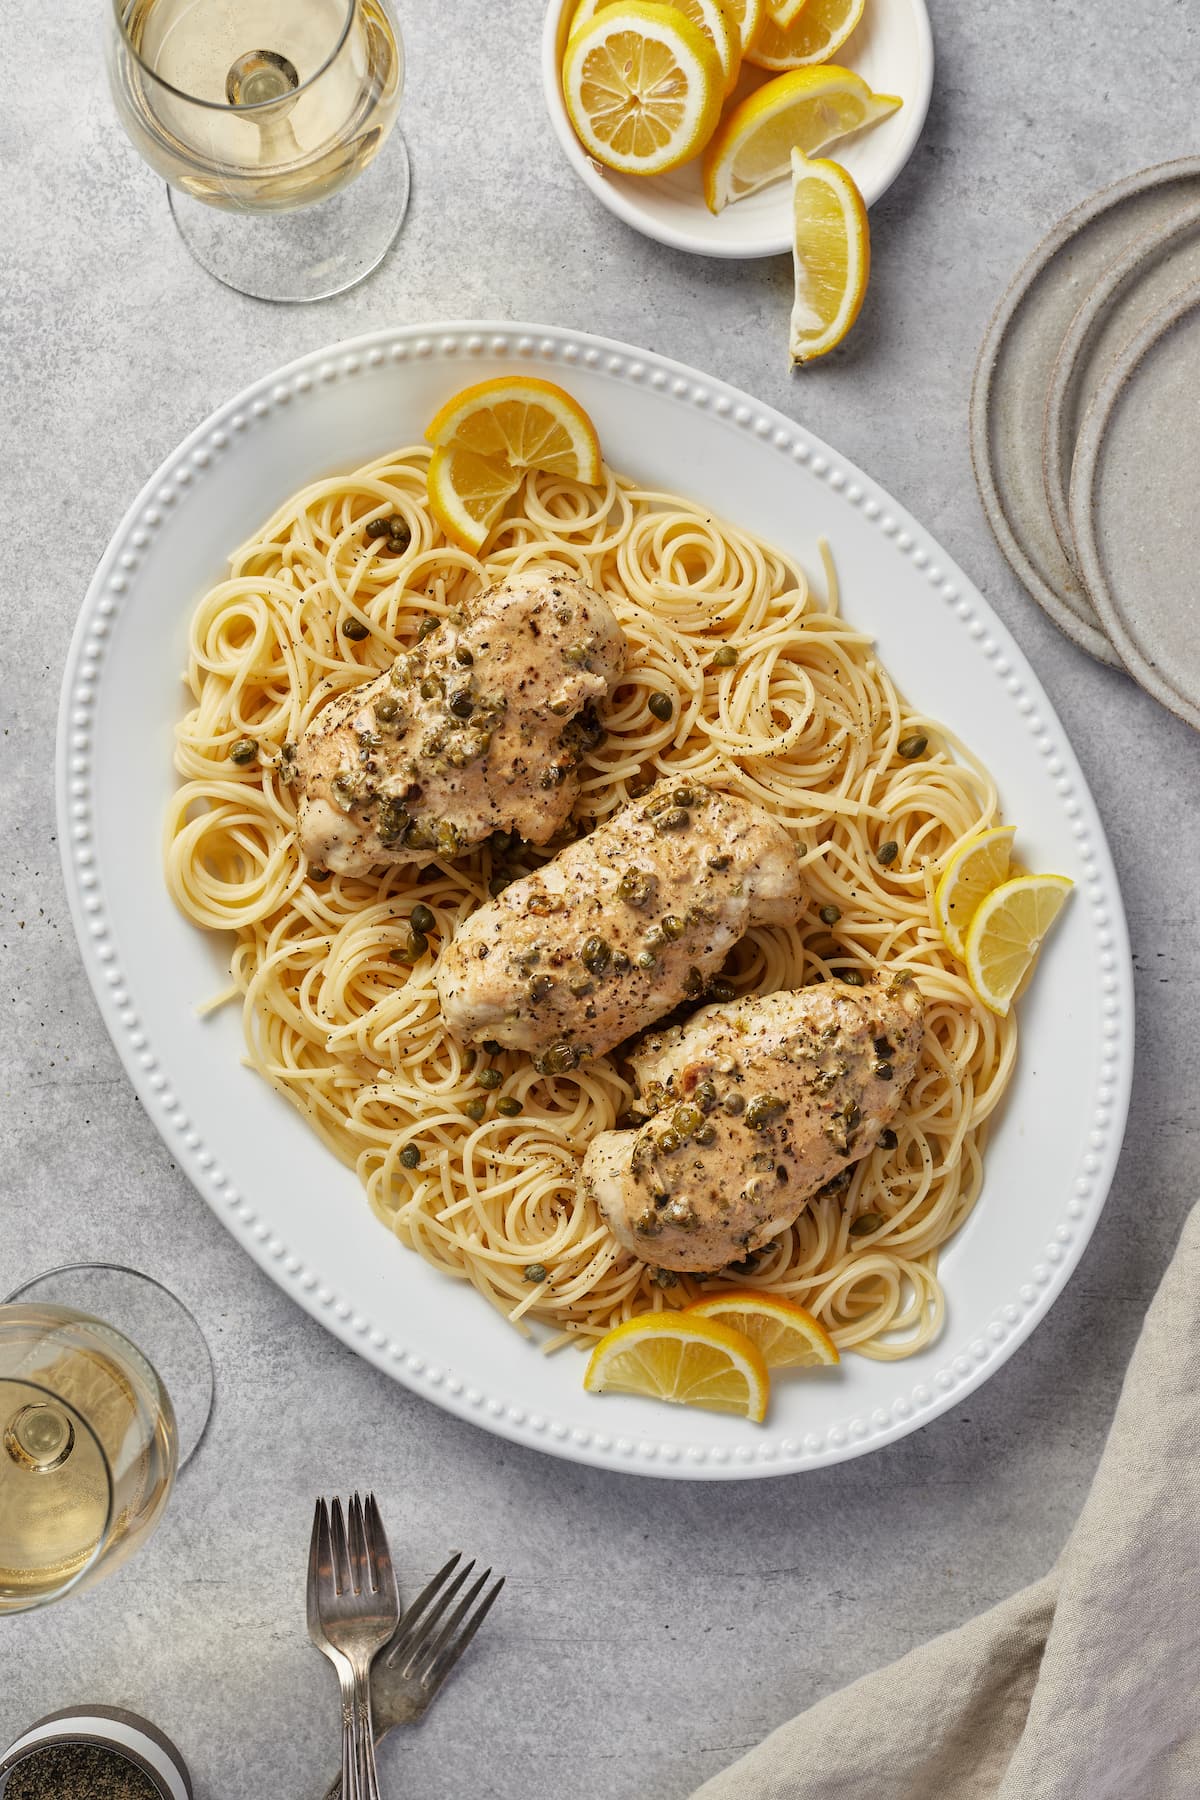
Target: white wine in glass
88, 1451
271, 121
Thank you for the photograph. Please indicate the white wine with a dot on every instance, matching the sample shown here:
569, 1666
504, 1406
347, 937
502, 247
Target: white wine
87, 1451
262, 105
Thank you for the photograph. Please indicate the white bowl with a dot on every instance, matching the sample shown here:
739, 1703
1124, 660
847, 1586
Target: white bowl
892, 50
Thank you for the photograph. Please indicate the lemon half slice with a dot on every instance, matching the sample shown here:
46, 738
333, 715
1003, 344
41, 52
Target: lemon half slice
532, 424
643, 87
805, 110
687, 1360
976, 867
796, 35
831, 253
786, 1333
1006, 934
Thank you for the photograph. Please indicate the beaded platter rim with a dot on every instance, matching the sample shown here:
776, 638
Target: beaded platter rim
177, 480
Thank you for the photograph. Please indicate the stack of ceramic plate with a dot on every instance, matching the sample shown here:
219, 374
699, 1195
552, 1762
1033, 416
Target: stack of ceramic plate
1085, 428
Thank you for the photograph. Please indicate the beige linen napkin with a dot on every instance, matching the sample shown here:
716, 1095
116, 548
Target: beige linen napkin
1082, 1687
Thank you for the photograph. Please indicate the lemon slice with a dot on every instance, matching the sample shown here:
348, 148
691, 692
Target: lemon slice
467, 493
530, 423
976, 867
678, 1357
1006, 934
831, 253
747, 18
715, 18
786, 1334
804, 110
795, 35
643, 87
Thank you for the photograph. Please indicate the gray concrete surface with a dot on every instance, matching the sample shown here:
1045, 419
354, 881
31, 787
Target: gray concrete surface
649, 1632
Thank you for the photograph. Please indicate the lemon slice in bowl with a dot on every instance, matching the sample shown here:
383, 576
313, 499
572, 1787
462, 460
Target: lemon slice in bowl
976, 867
747, 18
831, 256
689, 1361
786, 1334
642, 86
715, 18
798, 35
1006, 934
805, 110
532, 424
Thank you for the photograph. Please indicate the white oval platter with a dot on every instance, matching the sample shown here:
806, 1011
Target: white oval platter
297, 1211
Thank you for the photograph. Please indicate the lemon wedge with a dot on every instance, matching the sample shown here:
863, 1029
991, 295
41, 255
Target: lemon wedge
794, 36
1006, 934
687, 1360
785, 1333
976, 867
831, 254
805, 109
487, 436
643, 87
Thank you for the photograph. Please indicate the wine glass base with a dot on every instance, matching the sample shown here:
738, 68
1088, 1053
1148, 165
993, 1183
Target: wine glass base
154, 1321
310, 252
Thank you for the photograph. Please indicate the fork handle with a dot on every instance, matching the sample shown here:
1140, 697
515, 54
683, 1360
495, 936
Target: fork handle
366, 1735
351, 1783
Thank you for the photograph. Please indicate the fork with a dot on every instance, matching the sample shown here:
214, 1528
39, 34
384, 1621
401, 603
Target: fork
358, 1609
427, 1643
320, 1574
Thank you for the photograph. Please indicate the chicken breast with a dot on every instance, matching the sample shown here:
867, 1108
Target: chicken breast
620, 926
758, 1105
479, 728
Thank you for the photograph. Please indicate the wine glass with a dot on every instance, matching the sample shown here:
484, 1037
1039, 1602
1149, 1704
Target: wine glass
271, 121
90, 1438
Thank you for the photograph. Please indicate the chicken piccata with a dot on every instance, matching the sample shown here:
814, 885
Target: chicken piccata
756, 1106
480, 727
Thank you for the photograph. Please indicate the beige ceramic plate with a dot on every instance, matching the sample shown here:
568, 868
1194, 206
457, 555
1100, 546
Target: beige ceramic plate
1013, 375
1133, 504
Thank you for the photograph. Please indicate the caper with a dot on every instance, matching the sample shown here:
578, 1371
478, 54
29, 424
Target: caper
888, 1139
662, 706
706, 1135
883, 1071
763, 1109
853, 978
355, 630
431, 687
576, 654
318, 874
725, 657
540, 986
463, 657
416, 944
410, 1156
447, 839
559, 1060
508, 1106
680, 1213
387, 708
734, 1104
646, 959
687, 1119
829, 915
461, 703
595, 955
722, 990
887, 853
647, 1224
693, 983
720, 862
475, 1109
422, 918
673, 925
426, 628
243, 750
490, 1078
705, 1094
621, 964
656, 938
636, 887
685, 796
674, 819
669, 1142
535, 1272
914, 746
865, 1224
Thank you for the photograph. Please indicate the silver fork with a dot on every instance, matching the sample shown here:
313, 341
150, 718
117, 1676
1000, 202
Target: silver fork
428, 1641
358, 1610
320, 1576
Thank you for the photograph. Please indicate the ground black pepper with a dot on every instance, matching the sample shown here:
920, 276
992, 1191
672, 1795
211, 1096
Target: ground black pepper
79, 1772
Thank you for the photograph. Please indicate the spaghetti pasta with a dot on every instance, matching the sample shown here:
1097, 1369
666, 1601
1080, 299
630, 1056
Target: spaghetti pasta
339, 1007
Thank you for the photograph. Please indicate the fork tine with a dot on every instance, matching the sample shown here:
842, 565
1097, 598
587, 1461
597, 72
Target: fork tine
378, 1550
360, 1566
440, 1666
421, 1630
403, 1633
318, 1552
341, 1554
431, 1642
